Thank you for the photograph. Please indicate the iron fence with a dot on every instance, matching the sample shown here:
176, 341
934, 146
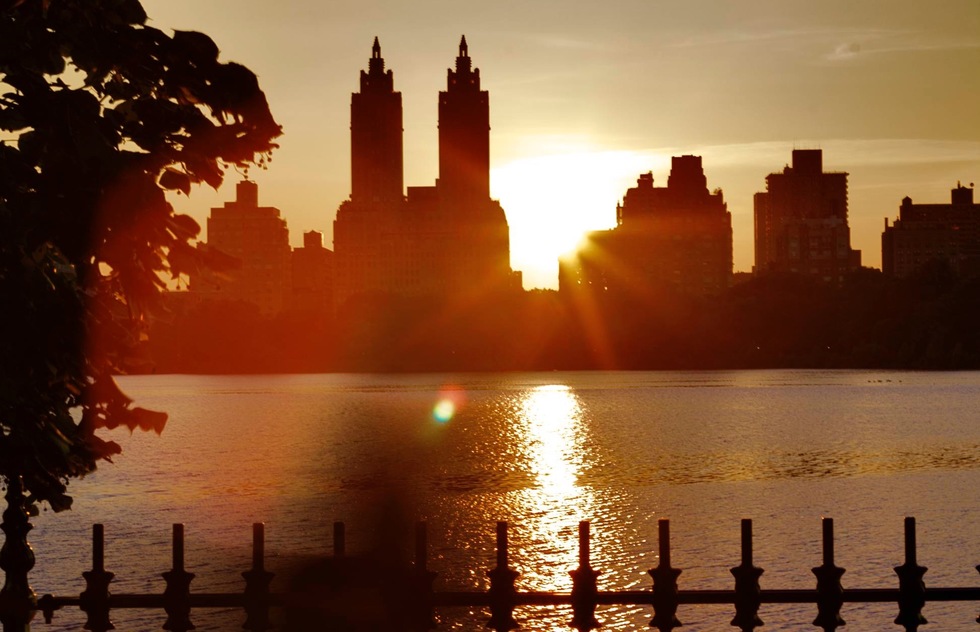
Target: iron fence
409, 601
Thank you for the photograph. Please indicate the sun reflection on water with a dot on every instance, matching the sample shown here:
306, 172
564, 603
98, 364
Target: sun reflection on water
554, 446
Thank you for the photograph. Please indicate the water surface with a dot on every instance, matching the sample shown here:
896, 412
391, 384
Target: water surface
543, 451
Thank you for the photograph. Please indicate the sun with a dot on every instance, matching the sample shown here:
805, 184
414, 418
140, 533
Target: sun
553, 200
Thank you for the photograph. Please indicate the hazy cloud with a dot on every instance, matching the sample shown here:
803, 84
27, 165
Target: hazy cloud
845, 51
848, 51
840, 44
839, 153
763, 35
927, 46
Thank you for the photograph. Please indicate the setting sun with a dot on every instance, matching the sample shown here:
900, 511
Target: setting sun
554, 199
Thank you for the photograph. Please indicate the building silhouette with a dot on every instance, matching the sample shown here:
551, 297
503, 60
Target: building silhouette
464, 133
678, 236
801, 221
448, 239
930, 234
250, 244
376, 135
257, 239
312, 277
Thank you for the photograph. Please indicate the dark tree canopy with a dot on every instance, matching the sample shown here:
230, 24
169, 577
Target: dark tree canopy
100, 115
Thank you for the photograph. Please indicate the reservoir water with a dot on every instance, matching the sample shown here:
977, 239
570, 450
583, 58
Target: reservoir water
541, 451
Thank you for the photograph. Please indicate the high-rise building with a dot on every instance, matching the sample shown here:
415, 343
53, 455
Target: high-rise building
376, 135
257, 238
801, 221
464, 133
368, 223
923, 234
447, 239
678, 236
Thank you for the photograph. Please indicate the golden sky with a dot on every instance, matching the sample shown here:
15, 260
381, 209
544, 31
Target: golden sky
585, 96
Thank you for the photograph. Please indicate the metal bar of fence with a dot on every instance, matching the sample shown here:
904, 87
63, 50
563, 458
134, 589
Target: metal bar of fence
503, 596
539, 598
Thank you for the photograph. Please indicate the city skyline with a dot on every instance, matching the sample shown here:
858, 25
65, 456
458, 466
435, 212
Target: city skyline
585, 103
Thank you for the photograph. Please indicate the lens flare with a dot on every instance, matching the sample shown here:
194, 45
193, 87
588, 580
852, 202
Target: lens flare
444, 410
450, 401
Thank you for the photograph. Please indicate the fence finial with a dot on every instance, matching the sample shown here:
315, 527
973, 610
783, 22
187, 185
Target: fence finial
257, 581
95, 599
748, 593
911, 588
584, 586
503, 594
177, 595
665, 597
830, 593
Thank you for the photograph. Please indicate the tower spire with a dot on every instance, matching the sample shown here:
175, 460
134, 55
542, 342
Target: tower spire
463, 61
376, 65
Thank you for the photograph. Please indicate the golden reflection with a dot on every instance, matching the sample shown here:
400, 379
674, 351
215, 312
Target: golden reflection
552, 414
554, 448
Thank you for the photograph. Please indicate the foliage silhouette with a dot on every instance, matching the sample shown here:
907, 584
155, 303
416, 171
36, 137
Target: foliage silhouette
100, 115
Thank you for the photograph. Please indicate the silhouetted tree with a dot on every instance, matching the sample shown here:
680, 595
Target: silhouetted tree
100, 115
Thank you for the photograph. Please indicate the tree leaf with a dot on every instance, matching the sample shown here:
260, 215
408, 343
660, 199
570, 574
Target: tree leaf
172, 179
184, 226
147, 419
196, 47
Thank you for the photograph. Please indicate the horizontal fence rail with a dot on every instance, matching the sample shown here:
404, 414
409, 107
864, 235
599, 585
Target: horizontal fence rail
408, 601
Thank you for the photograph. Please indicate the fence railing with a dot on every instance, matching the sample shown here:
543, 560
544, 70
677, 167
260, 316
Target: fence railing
409, 602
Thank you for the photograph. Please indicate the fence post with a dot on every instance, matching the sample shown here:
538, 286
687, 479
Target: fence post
584, 585
177, 595
257, 581
17, 600
748, 593
911, 588
420, 584
830, 593
94, 600
664, 584
978, 570
503, 594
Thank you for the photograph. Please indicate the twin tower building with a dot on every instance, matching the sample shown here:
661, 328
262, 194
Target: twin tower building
447, 240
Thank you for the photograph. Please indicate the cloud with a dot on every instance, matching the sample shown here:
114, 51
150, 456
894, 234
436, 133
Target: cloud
848, 51
845, 52
838, 153
929, 46
845, 44
797, 36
